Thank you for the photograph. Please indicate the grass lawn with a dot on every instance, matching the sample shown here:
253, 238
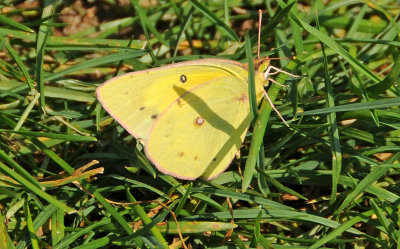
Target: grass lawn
73, 177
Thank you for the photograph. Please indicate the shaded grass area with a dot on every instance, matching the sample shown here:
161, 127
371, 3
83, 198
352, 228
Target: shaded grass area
330, 179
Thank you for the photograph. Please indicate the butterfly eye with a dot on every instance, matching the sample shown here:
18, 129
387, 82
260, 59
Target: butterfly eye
183, 78
264, 66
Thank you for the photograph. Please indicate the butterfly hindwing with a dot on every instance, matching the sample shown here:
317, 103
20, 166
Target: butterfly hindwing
200, 133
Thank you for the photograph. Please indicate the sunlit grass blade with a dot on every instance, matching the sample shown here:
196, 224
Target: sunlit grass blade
262, 120
335, 46
96, 62
373, 104
29, 186
5, 241
10, 22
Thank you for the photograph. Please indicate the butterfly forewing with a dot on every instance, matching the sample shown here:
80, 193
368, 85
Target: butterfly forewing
136, 99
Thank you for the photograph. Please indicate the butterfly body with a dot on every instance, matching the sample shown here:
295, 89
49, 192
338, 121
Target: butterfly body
192, 117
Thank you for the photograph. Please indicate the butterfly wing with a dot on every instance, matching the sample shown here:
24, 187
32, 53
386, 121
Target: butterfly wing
200, 133
136, 99
191, 116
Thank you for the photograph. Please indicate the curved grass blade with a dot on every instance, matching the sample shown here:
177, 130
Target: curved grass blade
210, 15
33, 188
375, 104
146, 220
98, 61
375, 174
342, 228
42, 36
333, 131
261, 123
21, 66
324, 38
10, 22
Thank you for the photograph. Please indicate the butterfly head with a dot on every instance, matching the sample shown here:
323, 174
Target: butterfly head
261, 65
264, 66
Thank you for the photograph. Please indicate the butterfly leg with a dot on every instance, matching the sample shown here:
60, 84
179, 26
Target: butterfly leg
278, 70
267, 73
276, 82
273, 107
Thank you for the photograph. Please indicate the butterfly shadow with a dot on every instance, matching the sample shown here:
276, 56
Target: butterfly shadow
205, 111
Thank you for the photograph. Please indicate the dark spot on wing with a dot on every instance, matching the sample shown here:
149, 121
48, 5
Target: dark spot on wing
214, 159
142, 108
196, 157
167, 135
125, 93
154, 116
180, 154
183, 78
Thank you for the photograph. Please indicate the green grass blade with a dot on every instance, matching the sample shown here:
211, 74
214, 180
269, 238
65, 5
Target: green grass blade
391, 79
339, 230
21, 66
374, 104
31, 187
42, 36
65, 137
249, 171
5, 240
334, 45
145, 24
98, 61
215, 19
29, 224
10, 22
146, 220
332, 130
57, 227
384, 221
19, 169
376, 174
68, 241
262, 120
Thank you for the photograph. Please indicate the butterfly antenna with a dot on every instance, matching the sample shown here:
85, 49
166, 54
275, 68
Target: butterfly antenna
259, 33
267, 73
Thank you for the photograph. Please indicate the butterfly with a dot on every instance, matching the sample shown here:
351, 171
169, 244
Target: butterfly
191, 117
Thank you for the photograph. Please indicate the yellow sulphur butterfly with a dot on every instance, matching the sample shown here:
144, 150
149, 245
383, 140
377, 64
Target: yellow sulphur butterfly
191, 117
